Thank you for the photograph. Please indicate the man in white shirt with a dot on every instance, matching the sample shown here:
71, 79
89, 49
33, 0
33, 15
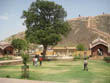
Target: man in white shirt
85, 64
36, 60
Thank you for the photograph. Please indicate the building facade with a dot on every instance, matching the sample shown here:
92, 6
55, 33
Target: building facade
6, 48
64, 51
99, 47
58, 51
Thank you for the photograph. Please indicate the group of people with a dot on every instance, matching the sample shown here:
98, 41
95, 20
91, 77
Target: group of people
37, 59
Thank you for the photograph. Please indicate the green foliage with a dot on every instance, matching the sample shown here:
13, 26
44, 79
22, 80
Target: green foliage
107, 59
19, 44
77, 57
25, 58
7, 76
87, 57
80, 47
6, 58
45, 23
25, 71
25, 67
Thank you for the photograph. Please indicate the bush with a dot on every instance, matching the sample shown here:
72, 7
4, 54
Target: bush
87, 57
107, 59
77, 57
25, 67
7, 76
80, 47
6, 58
25, 58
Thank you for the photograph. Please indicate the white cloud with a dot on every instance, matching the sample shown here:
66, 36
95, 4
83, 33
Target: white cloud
3, 17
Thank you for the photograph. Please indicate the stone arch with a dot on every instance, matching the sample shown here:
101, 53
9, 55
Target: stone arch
101, 47
8, 50
1, 51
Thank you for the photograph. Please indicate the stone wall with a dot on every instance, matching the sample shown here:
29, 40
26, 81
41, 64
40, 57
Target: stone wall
10, 62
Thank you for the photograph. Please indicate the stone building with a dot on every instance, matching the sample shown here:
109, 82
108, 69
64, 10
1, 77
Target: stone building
6, 48
58, 51
100, 47
64, 51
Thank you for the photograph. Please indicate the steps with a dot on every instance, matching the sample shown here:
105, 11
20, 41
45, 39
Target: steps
91, 26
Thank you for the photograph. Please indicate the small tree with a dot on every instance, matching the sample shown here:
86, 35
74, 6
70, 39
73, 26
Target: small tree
25, 58
19, 45
45, 23
80, 47
25, 67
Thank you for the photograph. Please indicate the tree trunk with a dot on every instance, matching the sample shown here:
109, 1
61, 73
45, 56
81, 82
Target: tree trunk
44, 51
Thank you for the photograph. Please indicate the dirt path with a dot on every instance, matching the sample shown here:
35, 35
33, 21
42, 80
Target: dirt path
8, 80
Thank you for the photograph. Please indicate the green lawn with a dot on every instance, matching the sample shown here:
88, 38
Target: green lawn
63, 71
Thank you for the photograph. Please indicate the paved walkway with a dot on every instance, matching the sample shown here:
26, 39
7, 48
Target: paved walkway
10, 62
10, 80
5, 61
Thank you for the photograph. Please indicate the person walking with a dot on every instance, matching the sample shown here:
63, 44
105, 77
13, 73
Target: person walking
40, 60
85, 64
36, 60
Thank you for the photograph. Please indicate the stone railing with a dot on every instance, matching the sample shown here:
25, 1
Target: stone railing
59, 57
10, 62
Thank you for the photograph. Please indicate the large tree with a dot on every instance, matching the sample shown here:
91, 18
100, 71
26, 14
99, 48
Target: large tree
45, 22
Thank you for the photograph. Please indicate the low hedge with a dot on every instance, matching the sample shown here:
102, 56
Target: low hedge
78, 57
107, 59
6, 58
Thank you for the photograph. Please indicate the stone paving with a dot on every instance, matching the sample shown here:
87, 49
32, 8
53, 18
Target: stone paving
7, 62
10, 80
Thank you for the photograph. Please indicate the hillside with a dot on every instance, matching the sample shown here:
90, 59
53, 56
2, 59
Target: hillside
84, 30
20, 35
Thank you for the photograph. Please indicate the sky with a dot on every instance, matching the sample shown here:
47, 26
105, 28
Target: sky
12, 10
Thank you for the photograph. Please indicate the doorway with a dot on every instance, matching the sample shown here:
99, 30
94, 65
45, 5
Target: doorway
100, 52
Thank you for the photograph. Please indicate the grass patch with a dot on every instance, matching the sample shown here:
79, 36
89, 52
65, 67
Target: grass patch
63, 71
